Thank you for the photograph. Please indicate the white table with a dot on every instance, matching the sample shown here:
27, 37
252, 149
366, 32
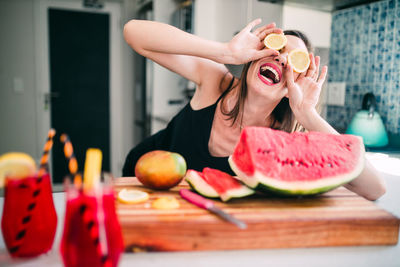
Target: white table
388, 256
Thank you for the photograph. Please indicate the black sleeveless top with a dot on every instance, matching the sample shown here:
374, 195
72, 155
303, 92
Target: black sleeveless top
188, 134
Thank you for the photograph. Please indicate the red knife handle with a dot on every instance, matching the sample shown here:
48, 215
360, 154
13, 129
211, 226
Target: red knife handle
196, 199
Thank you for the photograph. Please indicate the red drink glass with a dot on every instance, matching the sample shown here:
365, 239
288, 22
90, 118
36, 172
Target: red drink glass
92, 234
29, 219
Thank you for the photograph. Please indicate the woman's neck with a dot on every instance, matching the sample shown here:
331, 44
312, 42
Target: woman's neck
257, 110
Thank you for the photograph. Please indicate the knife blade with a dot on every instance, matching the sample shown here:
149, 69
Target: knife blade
207, 204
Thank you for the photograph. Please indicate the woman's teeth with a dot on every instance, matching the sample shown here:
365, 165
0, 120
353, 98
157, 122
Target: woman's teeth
270, 74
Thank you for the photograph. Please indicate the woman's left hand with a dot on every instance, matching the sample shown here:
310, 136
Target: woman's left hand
304, 91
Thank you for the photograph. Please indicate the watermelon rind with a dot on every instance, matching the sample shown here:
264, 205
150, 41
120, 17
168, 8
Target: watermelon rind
243, 191
199, 185
260, 182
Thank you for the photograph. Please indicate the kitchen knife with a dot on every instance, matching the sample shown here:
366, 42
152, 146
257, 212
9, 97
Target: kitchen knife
209, 205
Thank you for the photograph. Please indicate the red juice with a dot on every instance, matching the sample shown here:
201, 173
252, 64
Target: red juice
29, 219
92, 234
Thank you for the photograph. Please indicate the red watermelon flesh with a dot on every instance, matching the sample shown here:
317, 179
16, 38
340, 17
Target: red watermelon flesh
298, 162
197, 182
224, 184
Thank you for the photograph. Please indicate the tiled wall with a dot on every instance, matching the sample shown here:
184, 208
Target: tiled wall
365, 53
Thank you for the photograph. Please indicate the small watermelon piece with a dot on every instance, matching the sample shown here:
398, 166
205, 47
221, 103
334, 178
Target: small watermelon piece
225, 185
198, 183
297, 163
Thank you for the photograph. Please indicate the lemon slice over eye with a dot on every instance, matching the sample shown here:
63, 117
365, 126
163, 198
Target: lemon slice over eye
132, 196
299, 60
275, 41
16, 165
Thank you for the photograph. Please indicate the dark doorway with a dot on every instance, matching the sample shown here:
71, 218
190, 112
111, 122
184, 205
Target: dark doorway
79, 82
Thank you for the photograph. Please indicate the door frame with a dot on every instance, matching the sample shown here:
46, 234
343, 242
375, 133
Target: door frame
42, 60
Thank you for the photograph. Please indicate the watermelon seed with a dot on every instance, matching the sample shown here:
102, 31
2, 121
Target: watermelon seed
31, 206
14, 249
263, 151
36, 193
82, 209
96, 241
23, 186
21, 234
104, 258
26, 219
90, 224
348, 145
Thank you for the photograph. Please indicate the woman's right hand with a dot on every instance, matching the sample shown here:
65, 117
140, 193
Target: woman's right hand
247, 46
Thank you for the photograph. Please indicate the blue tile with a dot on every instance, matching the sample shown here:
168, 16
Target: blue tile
391, 4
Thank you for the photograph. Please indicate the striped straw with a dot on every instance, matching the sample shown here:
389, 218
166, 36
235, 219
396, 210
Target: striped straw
72, 162
44, 161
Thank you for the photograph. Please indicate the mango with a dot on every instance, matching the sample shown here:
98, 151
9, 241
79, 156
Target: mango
160, 169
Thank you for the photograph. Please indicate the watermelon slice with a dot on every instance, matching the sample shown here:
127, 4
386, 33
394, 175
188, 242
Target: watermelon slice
215, 183
197, 183
296, 163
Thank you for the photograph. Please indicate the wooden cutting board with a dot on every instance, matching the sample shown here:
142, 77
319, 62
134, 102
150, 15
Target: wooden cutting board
336, 218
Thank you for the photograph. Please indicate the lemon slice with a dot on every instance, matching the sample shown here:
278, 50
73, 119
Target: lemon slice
16, 165
132, 196
166, 203
275, 41
299, 60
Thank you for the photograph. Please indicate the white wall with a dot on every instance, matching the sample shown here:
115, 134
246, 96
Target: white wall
18, 110
315, 24
267, 11
166, 84
17, 78
219, 20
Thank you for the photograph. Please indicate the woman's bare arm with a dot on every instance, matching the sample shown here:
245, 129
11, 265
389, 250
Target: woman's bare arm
191, 56
369, 183
303, 97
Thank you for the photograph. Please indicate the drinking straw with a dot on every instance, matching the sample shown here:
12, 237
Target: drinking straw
72, 162
91, 181
44, 161
91, 175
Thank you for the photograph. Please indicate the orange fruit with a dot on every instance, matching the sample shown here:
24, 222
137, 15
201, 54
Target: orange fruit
160, 169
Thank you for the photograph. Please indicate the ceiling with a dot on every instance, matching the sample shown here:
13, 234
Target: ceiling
322, 5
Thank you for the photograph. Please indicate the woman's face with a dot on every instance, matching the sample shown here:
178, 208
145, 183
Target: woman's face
266, 75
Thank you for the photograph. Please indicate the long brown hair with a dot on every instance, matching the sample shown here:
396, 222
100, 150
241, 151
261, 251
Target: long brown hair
282, 115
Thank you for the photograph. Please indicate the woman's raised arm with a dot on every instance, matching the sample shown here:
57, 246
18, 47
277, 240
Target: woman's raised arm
191, 56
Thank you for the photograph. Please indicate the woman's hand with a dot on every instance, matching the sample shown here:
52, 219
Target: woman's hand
304, 91
247, 46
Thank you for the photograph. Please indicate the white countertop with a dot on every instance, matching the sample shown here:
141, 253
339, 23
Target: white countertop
388, 256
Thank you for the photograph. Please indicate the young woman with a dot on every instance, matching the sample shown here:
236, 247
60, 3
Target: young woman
267, 94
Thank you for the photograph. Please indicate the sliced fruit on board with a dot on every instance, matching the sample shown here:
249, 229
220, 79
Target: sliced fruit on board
225, 185
132, 196
213, 183
296, 163
198, 183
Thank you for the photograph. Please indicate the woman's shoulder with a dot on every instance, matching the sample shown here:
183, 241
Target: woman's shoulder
210, 91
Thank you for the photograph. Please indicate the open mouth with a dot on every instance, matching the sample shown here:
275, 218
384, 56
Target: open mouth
269, 74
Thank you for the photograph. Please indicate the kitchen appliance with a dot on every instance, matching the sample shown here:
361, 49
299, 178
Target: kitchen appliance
368, 124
